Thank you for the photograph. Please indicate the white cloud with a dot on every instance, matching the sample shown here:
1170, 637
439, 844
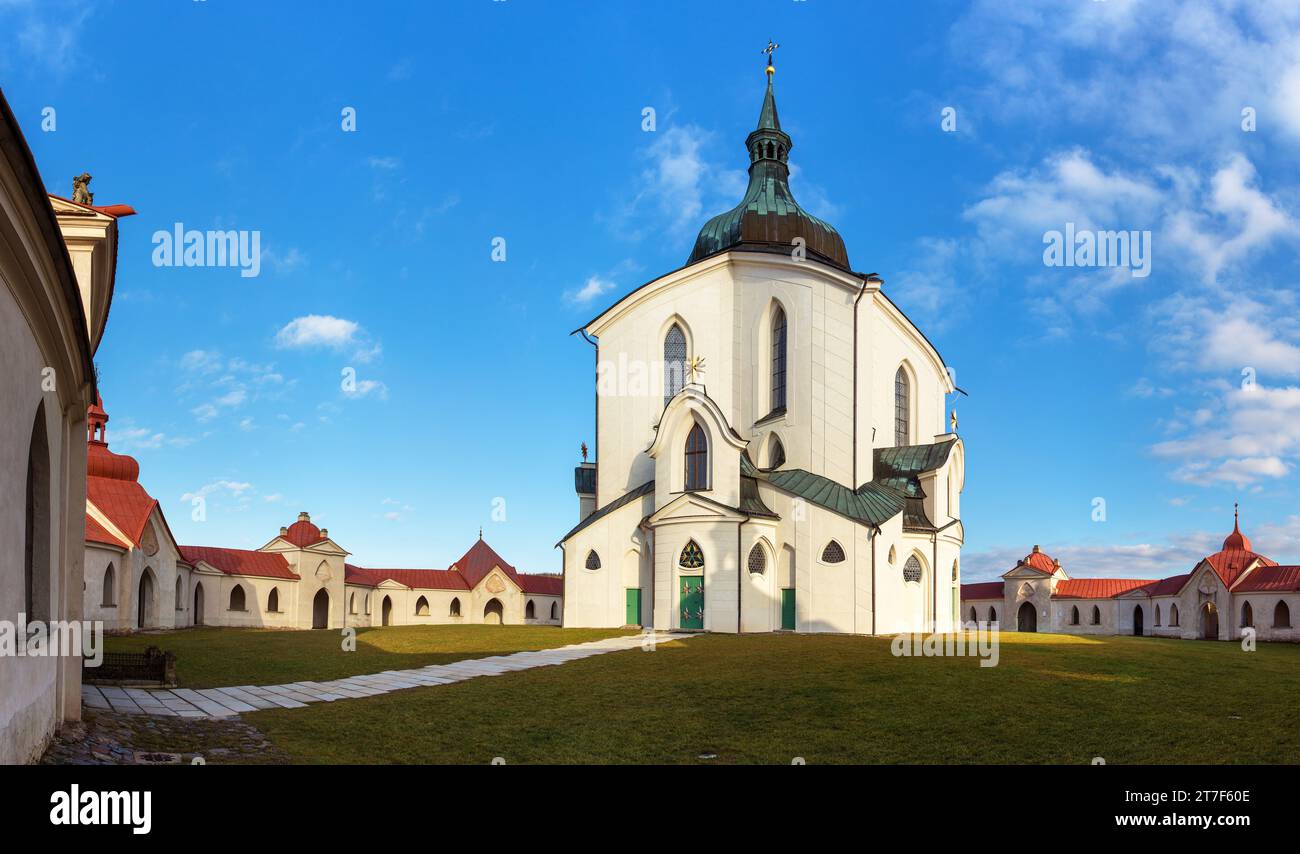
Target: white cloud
365, 388
594, 287
234, 488
1137, 560
317, 330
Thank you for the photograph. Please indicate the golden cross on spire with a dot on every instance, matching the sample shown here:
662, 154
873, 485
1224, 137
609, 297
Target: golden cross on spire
769, 50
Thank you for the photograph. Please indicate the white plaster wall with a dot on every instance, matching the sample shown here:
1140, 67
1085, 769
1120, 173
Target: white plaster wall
597, 598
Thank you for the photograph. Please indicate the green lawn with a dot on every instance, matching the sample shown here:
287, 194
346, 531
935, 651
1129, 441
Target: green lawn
216, 657
835, 699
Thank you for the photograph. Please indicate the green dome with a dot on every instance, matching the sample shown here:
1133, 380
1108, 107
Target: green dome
768, 219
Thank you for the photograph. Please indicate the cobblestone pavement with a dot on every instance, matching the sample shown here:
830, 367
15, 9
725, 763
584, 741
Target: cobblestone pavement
107, 737
230, 702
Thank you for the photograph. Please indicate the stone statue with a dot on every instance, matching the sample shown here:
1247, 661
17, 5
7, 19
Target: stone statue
80, 190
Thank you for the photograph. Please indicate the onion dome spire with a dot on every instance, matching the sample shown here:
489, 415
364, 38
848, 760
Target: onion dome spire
100, 461
1236, 540
768, 219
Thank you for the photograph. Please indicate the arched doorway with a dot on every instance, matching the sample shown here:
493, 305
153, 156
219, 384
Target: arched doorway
492, 612
1209, 621
198, 603
144, 613
320, 610
1137, 621
1027, 619
386, 612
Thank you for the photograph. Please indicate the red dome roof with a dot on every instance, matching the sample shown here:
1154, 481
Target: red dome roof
100, 461
302, 532
1236, 540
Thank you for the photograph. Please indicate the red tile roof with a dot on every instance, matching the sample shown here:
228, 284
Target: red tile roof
1169, 586
97, 533
983, 590
1271, 578
1097, 588
1230, 563
240, 561
124, 502
479, 561
542, 585
417, 579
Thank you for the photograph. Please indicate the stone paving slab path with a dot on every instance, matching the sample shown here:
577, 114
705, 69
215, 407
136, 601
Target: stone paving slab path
231, 702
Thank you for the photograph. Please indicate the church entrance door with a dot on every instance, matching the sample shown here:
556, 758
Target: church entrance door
1137, 621
320, 610
692, 602
1209, 621
787, 608
1028, 618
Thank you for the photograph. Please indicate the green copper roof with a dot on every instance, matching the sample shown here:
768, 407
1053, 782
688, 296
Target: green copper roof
768, 218
871, 503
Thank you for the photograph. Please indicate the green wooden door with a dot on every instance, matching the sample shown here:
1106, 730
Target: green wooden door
692, 602
633, 606
787, 608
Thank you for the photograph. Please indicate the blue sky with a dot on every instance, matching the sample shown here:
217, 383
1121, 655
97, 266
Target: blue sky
523, 120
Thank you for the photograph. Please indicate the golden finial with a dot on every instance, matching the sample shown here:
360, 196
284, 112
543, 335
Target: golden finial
771, 47
696, 367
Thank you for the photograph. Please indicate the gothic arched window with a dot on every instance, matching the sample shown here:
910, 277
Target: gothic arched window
1173, 615
1074, 616
697, 459
422, 607
674, 362
902, 408
692, 557
555, 610
1247, 616
833, 553
912, 569
273, 601
1157, 614
1096, 616
778, 358
455, 607
593, 560
530, 611
110, 588
36, 554
757, 560
237, 598
1281, 616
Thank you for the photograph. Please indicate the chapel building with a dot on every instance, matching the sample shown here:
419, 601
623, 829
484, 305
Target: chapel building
770, 435
1224, 594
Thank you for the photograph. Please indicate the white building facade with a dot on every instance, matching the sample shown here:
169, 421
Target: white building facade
1226, 593
771, 448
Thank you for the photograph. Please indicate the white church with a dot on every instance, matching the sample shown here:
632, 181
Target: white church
785, 464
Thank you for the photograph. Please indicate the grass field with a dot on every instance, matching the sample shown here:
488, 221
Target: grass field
219, 657
1052, 699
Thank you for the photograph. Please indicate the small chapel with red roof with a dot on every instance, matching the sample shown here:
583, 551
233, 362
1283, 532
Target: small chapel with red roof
1225, 596
138, 577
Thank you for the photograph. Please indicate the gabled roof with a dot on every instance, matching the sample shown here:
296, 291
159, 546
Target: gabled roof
983, 590
1037, 560
1098, 588
1278, 579
1230, 563
124, 502
476, 563
240, 561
